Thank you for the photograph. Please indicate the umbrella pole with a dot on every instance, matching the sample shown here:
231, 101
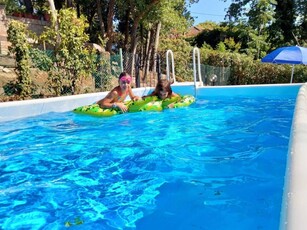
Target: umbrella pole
292, 74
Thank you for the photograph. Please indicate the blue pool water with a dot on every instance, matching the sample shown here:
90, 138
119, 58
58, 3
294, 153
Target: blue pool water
218, 164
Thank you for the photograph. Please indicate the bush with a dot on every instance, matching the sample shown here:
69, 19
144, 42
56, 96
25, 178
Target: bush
71, 60
17, 35
182, 57
245, 70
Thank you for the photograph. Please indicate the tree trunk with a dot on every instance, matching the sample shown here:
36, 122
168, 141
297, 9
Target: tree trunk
286, 20
78, 10
53, 10
101, 23
29, 6
156, 45
69, 3
110, 25
55, 22
134, 40
136, 21
126, 31
147, 54
137, 18
58, 4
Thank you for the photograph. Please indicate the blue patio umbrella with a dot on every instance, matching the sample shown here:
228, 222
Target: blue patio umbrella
292, 55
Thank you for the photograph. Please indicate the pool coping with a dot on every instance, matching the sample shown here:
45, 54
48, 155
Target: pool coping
294, 205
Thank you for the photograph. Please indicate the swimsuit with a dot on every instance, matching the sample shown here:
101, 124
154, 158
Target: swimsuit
120, 96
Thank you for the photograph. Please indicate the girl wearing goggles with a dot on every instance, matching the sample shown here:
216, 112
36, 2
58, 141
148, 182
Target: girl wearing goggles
116, 97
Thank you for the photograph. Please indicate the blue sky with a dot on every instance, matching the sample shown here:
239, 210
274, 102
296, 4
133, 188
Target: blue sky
209, 10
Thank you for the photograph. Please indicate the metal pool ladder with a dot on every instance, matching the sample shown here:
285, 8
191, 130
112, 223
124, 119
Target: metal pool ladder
195, 71
169, 52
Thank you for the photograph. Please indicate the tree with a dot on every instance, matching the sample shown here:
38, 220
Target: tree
276, 19
53, 10
284, 24
110, 19
301, 19
169, 20
261, 15
71, 59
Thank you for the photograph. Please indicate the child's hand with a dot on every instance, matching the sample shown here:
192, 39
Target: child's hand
122, 107
171, 106
136, 98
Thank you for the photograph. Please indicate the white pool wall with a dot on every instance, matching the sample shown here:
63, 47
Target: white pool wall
294, 207
29, 108
276, 90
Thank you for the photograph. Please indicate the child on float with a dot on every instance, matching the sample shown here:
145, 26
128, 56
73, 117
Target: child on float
163, 91
116, 97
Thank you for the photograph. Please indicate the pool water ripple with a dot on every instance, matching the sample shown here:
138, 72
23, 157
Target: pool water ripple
215, 165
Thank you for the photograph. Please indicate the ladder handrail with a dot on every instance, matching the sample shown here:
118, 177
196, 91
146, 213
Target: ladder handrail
167, 66
196, 51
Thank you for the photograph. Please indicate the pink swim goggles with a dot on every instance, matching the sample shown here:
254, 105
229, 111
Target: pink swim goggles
125, 79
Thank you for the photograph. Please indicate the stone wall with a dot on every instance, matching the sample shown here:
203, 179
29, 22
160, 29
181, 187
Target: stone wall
37, 26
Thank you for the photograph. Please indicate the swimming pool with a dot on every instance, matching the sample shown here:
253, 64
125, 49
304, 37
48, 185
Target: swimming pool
179, 173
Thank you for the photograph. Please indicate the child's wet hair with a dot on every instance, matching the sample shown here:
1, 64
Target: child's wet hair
123, 74
164, 85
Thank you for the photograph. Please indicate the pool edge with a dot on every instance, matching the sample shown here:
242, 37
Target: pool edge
294, 206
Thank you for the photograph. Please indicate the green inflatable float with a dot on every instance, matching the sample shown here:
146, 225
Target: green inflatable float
151, 103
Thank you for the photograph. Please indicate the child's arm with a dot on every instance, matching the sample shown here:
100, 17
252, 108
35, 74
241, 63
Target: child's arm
132, 96
175, 94
153, 93
107, 101
173, 104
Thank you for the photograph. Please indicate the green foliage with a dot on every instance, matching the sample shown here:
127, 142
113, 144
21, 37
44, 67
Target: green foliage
17, 35
72, 61
300, 73
212, 36
240, 38
276, 22
245, 70
206, 46
261, 13
41, 59
102, 73
172, 16
221, 47
41, 6
208, 25
182, 56
12, 6
232, 45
